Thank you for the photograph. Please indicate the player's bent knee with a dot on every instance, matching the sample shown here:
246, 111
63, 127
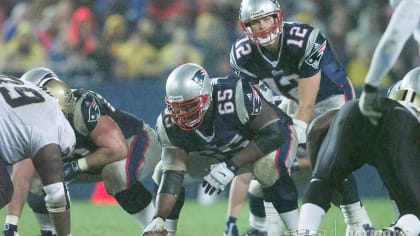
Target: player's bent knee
56, 197
134, 199
37, 203
318, 192
176, 210
283, 194
265, 171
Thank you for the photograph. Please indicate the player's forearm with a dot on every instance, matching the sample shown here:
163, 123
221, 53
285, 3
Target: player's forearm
304, 112
267, 140
164, 204
21, 178
99, 158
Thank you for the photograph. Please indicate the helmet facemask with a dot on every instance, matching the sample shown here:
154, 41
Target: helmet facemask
188, 114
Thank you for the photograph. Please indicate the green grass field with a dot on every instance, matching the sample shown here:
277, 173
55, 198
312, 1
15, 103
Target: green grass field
110, 220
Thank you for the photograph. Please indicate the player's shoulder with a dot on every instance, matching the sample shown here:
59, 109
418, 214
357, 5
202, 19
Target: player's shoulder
242, 50
166, 128
292, 28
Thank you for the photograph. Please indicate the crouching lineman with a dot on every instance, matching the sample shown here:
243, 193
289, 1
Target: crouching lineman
33, 129
215, 129
111, 145
391, 145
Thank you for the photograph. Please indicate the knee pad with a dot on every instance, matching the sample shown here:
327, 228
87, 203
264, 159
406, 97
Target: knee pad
37, 203
56, 197
319, 193
283, 194
256, 205
255, 189
134, 199
174, 215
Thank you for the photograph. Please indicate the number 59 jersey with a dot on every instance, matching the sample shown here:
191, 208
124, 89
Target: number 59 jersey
224, 130
29, 120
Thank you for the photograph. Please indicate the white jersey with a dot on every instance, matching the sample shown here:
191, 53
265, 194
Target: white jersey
404, 23
29, 120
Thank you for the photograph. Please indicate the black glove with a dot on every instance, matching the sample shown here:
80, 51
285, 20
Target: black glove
369, 104
71, 170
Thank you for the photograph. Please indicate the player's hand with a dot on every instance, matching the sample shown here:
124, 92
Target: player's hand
71, 170
369, 104
300, 128
156, 226
10, 230
221, 174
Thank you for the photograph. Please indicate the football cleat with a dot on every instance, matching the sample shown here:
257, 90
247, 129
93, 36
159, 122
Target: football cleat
254, 232
47, 233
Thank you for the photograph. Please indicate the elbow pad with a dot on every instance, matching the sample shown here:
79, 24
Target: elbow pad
56, 199
172, 182
270, 137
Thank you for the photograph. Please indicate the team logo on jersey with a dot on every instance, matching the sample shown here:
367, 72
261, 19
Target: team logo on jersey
94, 112
256, 101
316, 55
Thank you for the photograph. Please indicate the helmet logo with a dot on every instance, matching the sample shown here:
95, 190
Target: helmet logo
199, 77
68, 98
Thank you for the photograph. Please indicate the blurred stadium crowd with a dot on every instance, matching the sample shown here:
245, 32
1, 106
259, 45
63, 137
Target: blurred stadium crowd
145, 39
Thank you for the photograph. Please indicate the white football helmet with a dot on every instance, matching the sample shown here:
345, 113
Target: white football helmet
49, 82
188, 95
407, 90
251, 10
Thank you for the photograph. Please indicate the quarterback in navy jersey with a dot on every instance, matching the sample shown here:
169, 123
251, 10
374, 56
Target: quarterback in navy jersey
296, 61
112, 146
214, 129
302, 52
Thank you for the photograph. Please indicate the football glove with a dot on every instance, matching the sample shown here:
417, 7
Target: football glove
156, 226
71, 170
10, 230
300, 128
369, 104
231, 229
221, 174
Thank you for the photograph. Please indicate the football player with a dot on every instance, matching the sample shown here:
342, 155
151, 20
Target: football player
215, 129
296, 61
405, 21
391, 145
34, 130
111, 145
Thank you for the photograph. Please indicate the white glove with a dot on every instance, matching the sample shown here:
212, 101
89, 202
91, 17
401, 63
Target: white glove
300, 128
369, 104
219, 177
156, 226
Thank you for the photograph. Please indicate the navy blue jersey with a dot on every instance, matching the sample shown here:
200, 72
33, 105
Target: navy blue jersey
304, 51
89, 107
224, 130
